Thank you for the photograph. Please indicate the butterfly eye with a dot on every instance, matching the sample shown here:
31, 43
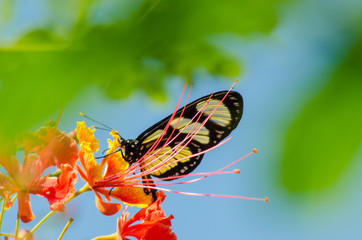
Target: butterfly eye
121, 141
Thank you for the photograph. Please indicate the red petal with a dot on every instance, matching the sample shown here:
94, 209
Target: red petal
159, 231
25, 213
58, 189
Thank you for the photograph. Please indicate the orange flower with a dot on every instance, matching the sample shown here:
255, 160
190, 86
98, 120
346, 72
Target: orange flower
48, 147
113, 163
53, 147
58, 189
154, 225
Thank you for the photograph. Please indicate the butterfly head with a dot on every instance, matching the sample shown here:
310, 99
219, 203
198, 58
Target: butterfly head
130, 147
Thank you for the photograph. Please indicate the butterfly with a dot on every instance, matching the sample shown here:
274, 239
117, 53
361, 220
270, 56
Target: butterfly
179, 140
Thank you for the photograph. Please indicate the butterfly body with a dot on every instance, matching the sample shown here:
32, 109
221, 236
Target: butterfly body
179, 141
131, 149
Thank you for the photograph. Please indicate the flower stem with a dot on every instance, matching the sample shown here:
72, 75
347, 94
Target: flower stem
39, 223
7, 235
13, 199
85, 188
17, 226
65, 228
2, 212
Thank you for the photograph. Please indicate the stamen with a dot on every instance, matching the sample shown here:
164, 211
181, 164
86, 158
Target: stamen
89, 118
148, 183
140, 171
151, 158
266, 199
136, 166
176, 149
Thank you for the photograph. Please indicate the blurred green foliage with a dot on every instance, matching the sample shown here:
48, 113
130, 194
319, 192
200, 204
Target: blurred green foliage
328, 133
120, 47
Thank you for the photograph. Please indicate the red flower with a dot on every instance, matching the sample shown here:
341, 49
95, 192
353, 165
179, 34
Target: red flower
58, 189
154, 225
44, 148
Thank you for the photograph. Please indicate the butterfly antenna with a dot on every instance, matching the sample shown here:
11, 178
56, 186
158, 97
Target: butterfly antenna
106, 155
104, 129
104, 125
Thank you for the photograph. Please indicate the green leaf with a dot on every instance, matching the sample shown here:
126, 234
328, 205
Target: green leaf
326, 136
48, 67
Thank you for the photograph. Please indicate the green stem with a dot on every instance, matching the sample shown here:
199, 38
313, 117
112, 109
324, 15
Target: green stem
39, 223
7, 235
2, 212
17, 226
12, 200
85, 188
65, 228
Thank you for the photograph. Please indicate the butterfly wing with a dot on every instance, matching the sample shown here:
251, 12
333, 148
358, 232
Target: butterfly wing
198, 126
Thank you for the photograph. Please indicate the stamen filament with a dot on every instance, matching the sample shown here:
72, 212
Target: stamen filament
266, 199
189, 137
176, 149
158, 156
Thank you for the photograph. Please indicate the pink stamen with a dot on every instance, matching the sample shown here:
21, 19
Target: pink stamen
138, 165
210, 173
174, 151
191, 134
147, 183
138, 170
266, 199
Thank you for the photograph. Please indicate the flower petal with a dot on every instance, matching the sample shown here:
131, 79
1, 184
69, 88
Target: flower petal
6, 190
53, 146
25, 213
11, 165
114, 164
87, 141
159, 231
59, 189
132, 196
90, 166
106, 208
31, 171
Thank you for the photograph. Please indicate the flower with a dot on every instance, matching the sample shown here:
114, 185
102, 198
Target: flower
45, 148
91, 172
53, 147
154, 225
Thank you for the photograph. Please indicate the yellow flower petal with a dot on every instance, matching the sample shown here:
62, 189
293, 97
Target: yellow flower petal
132, 196
113, 145
87, 141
